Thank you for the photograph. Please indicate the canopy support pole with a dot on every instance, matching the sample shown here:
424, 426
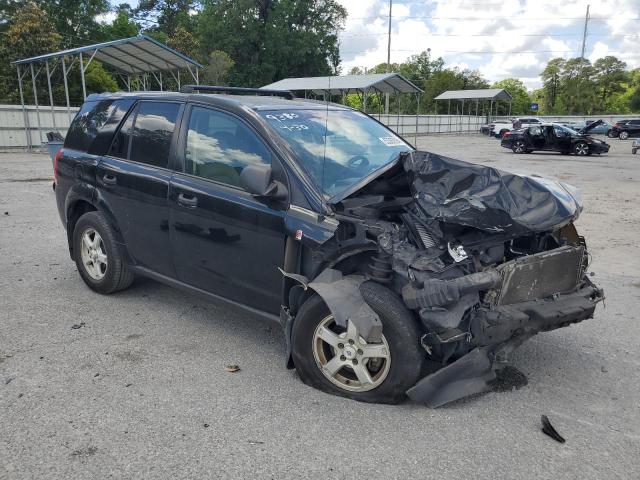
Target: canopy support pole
35, 98
66, 88
415, 138
27, 127
53, 110
84, 87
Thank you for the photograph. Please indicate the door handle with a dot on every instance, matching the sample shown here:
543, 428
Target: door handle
190, 201
109, 179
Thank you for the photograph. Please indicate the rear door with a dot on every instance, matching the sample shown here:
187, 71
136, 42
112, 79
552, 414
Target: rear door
133, 182
537, 138
224, 240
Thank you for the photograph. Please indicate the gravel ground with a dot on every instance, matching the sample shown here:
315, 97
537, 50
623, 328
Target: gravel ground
140, 390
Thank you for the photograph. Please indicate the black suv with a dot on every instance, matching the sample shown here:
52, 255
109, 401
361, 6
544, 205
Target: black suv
374, 257
625, 129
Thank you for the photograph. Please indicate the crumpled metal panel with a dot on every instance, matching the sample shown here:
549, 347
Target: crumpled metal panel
342, 296
462, 193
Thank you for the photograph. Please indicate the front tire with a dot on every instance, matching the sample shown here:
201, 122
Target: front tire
581, 149
97, 256
338, 361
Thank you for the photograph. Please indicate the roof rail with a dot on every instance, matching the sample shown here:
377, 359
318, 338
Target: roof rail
255, 91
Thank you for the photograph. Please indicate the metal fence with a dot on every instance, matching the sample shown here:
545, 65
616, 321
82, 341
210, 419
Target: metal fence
21, 130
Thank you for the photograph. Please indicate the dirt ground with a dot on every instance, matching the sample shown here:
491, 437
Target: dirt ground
134, 385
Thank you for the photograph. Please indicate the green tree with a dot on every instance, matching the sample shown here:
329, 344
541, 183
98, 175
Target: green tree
609, 75
123, 26
273, 39
217, 69
578, 88
76, 20
551, 81
185, 42
170, 14
30, 33
520, 98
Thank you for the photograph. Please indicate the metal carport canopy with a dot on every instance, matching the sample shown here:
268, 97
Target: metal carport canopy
379, 82
132, 56
480, 94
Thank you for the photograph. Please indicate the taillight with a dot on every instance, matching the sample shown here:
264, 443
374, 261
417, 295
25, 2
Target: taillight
55, 165
506, 135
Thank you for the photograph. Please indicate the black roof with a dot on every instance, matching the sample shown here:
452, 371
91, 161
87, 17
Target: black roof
255, 102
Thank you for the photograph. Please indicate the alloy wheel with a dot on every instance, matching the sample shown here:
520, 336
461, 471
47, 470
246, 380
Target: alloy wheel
623, 135
347, 360
93, 254
582, 149
518, 147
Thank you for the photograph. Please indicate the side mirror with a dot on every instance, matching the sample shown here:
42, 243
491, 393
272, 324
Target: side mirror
257, 180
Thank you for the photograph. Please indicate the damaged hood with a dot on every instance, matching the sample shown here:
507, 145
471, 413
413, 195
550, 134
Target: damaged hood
463, 193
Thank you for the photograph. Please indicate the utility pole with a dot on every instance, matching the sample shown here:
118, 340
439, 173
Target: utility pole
386, 95
584, 34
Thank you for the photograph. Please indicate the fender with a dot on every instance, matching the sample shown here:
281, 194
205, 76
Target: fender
344, 300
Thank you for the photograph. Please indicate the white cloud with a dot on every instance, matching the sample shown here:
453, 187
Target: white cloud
501, 38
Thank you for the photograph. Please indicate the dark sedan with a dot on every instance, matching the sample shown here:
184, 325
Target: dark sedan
553, 138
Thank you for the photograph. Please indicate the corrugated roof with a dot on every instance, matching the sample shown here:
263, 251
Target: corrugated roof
132, 55
379, 82
480, 94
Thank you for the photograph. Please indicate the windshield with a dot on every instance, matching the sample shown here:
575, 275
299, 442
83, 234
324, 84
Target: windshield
337, 148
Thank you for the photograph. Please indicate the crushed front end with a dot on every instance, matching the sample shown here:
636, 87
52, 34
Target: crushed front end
484, 259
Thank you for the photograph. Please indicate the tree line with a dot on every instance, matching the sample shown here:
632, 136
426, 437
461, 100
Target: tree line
256, 42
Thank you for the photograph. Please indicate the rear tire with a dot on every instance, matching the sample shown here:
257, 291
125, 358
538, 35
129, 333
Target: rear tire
97, 256
623, 135
518, 147
400, 332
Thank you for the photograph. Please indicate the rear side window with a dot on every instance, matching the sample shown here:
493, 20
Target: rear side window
152, 132
93, 126
146, 134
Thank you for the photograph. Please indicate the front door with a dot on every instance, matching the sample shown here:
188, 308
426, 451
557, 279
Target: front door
223, 239
133, 181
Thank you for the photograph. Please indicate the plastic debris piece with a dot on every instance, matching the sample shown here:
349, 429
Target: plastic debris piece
232, 368
548, 429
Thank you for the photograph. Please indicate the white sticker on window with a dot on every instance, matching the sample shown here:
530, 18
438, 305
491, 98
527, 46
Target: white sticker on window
391, 141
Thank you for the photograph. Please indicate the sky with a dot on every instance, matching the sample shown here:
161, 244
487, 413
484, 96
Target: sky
500, 38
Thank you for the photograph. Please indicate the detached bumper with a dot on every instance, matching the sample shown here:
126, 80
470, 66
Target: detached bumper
500, 330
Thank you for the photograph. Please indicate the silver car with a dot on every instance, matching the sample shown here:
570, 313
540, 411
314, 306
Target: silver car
635, 146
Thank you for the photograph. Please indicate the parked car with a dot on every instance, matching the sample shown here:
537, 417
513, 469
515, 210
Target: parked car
500, 127
487, 128
516, 124
597, 127
552, 137
626, 128
316, 216
635, 146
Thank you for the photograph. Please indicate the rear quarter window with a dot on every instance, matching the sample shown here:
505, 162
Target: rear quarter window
94, 125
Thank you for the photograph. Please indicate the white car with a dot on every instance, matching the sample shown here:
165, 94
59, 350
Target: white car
500, 127
522, 122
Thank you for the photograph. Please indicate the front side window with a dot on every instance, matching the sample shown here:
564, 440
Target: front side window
337, 148
220, 145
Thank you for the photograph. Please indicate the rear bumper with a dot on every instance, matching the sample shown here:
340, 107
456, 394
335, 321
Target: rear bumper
496, 331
